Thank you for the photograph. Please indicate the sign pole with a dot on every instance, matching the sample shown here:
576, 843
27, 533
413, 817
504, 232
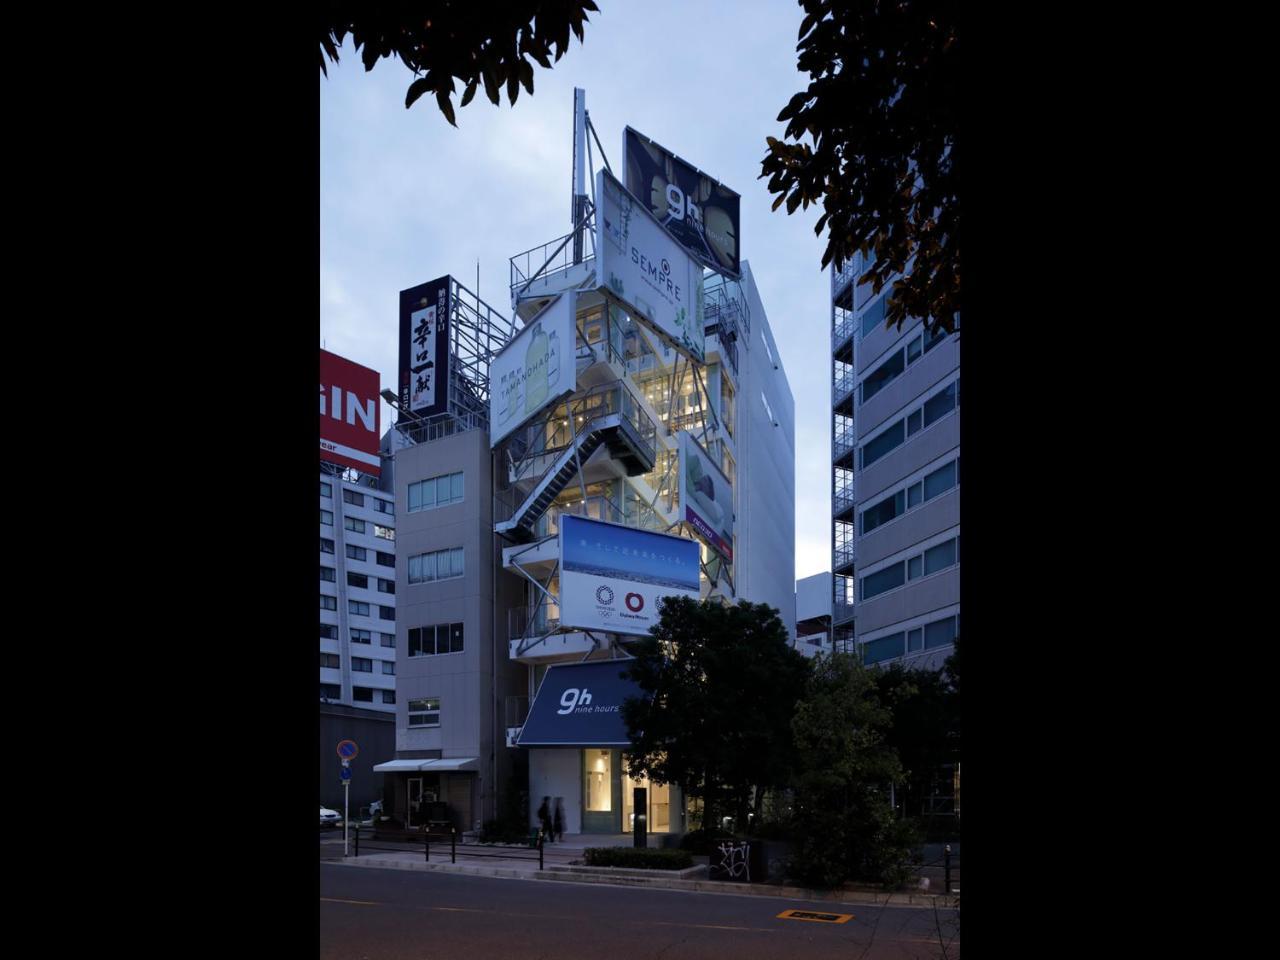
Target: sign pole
346, 812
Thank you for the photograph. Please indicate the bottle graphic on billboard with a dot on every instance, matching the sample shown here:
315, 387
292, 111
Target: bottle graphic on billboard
553, 361
535, 371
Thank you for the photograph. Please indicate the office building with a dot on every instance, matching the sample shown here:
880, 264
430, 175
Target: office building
895, 480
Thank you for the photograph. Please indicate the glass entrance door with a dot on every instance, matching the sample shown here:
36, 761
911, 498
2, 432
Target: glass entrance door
414, 814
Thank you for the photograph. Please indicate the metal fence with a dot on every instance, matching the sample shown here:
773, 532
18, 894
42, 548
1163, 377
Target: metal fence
447, 845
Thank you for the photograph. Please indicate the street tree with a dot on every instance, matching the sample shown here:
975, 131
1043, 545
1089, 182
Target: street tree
844, 824
443, 41
721, 682
880, 116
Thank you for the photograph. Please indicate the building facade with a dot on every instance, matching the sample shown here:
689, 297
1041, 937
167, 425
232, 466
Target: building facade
895, 480
357, 589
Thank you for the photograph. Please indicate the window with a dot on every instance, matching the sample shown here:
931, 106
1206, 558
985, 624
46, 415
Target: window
353, 524
913, 423
326, 491
873, 316
326, 517
357, 553
386, 533
598, 789
362, 694
940, 404
767, 351
361, 665
386, 586
331, 661
940, 557
388, 639
881, 444
913, 350
876, 583
914, 638
358, 607
357, 580
382, 506
886, 648
328, 603
328, 573
883, 375
436, 492
350, 496
884, 511
931, 340
388, 696
914, 566
940, 481
940, 633
388, 667
441, 638
386, 613
328, 631
361, 636
438, 565
386, 559
326, 546
424, 712
330, 691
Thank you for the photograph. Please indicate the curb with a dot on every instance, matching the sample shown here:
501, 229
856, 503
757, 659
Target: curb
631, 879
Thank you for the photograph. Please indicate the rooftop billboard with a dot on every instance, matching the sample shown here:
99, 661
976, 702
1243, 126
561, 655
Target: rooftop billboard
535, 369
350, 411
424, 348
701, 213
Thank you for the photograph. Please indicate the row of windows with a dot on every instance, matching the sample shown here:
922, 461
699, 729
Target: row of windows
441, 638
329, 631
932, 410
331, 691
903, 357
365, 665
922, 491
436, 492
936, 634
424, 712
360, 609
945, 554
360, 553
437, 565
330, 575
357, 499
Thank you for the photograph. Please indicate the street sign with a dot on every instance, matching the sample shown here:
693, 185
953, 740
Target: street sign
346, 773
347, 750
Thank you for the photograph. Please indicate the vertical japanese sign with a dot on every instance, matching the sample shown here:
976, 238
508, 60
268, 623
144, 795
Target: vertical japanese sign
424, 348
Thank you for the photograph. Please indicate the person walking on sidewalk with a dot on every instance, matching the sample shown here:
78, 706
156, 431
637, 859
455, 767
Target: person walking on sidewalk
544, 818
558, 824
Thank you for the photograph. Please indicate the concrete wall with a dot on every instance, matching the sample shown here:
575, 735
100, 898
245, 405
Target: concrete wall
374, 733
556, 773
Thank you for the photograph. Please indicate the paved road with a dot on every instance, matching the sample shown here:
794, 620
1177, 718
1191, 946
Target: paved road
407, 915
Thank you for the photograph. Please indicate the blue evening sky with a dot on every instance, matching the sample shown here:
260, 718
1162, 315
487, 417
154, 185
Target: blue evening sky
405, 197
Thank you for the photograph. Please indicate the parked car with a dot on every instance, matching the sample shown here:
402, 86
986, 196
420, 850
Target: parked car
331, 817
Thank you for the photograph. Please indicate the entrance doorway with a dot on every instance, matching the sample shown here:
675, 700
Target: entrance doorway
422, 792
659, 812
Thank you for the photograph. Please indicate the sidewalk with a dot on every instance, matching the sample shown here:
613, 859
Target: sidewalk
557, 867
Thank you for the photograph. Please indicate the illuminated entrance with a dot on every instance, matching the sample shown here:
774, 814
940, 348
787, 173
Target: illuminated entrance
659, 812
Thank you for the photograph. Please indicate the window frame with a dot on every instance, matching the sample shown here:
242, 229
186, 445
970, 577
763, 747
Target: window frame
427, 710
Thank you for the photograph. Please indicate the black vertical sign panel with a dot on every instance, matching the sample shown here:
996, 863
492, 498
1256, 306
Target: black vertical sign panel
424, 348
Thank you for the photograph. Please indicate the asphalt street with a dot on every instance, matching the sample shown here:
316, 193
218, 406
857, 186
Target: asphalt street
369, 914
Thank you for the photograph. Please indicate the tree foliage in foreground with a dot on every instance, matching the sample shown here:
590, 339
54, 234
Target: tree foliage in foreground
723, 682
881, 116
443, 41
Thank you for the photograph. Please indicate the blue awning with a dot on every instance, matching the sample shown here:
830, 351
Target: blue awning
580, 705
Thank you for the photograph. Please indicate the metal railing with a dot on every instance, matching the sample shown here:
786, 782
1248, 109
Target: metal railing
545, 261
842, 382
842, 329
467, 848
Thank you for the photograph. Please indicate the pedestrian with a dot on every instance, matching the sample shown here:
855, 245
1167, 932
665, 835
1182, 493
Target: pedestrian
558, 825
544, 817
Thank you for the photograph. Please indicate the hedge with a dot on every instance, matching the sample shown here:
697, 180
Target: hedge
642, 858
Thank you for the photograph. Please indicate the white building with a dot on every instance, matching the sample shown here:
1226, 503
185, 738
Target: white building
357, 590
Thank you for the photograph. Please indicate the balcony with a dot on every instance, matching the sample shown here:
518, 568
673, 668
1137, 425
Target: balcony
842, 279
843, 325
842, 383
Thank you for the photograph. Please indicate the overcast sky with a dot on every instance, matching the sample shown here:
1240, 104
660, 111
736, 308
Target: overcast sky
405, 197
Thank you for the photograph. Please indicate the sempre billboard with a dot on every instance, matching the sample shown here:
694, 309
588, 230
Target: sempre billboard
350, 411
535, 369
424, 348
706, 496
612, 577
644, 267
702, 213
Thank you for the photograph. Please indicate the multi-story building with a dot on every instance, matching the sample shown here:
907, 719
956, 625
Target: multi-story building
895, 480
357, 589
813, 615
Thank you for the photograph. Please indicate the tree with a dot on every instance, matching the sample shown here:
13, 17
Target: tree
882, 112
921, 728
440, 40
844, 823
721, 683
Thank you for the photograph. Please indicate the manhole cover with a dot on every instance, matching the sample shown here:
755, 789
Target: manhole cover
815, 917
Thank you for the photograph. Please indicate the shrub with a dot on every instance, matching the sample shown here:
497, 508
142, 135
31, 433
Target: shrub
642, 858
503, 831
